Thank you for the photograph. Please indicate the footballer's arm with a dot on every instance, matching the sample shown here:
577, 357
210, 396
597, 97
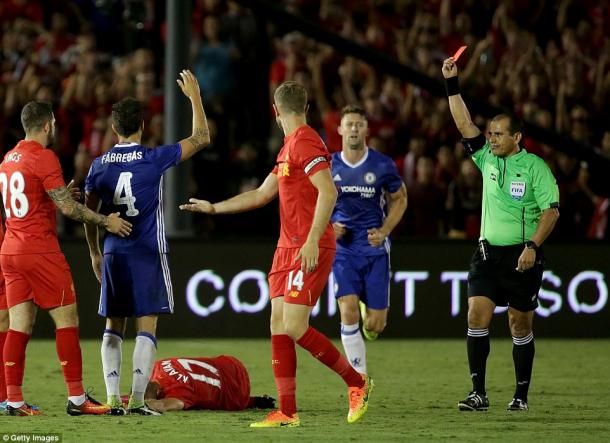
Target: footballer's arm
200, 136
76, 211
246, 201
165, 404
93, 202
327, 196
398, 205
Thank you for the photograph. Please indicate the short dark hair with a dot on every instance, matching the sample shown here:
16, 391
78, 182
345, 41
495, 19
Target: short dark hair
514, 124
291, 96
352, 109
127, 116
35, 115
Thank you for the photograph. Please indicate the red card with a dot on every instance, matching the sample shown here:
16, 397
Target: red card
458, 53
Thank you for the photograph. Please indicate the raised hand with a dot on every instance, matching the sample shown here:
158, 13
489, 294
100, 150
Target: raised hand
195, 205
116, 225
189, 84
449, 68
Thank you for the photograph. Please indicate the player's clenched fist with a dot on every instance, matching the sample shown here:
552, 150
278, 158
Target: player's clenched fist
189, 84
449, 68
116, 225
195, 205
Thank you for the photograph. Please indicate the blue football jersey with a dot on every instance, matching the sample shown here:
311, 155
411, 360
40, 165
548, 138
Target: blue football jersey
129, 179
361, 201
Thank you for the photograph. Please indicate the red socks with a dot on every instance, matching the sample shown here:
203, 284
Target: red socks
70, 358
14, 363
321, 348
2, 383
284, 364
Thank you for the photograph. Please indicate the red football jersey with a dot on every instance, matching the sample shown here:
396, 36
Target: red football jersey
26, 174
204, 383
302, 155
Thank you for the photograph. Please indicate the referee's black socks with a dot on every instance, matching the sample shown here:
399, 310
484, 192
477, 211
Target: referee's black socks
523, 356
477, 343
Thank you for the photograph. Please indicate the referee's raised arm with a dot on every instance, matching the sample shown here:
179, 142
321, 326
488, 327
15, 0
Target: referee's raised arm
458, 108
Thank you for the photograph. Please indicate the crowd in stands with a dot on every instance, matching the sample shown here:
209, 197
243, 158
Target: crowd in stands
547, 61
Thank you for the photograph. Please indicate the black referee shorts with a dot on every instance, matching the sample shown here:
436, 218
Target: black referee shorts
497, 278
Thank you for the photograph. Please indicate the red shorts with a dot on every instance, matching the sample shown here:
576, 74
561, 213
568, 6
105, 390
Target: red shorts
297, 287
44, 279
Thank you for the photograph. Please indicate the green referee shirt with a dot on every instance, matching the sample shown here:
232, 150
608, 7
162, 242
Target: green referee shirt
516, 190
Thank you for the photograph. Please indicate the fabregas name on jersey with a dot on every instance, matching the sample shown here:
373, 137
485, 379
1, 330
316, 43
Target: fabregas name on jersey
115, 157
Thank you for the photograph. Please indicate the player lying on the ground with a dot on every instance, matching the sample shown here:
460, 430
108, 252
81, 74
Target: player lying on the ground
221, 383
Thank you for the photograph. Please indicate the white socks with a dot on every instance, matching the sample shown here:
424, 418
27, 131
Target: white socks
77, 399
353, 344
143, 360
111, 361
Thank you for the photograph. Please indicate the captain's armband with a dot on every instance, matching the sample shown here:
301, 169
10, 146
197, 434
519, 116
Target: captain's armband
472, 145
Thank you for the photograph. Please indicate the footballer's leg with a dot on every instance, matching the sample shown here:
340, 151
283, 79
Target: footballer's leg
283, 363
296, 323
143, 361
70, 357
373, 322
112, 357
22, 317
3, 333
320, 347
353, 343
349, 285
375, 301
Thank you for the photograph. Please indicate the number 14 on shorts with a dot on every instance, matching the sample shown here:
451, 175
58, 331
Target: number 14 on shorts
295, 279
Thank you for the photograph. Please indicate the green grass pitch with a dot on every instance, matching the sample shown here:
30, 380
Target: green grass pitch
418, 384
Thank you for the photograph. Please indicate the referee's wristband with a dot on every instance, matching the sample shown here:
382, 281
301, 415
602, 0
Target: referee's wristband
452, 85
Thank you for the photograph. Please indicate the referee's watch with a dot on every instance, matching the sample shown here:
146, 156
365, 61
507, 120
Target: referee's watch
531, 245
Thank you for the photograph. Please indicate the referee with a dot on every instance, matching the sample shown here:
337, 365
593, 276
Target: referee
519, 211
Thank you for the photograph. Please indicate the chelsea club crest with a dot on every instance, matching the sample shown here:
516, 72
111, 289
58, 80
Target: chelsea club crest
370, 178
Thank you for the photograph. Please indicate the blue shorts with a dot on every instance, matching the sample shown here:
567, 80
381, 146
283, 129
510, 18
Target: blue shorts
366, 276
135, 286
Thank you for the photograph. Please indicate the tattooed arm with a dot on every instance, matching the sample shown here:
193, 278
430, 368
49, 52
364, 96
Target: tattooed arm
79, 212
200, 136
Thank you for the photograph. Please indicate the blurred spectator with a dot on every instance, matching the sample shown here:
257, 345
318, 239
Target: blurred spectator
426, 202
213, 65
464, 202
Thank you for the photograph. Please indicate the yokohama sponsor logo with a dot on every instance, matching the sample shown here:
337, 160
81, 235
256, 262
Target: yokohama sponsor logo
314, 162
365, 191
